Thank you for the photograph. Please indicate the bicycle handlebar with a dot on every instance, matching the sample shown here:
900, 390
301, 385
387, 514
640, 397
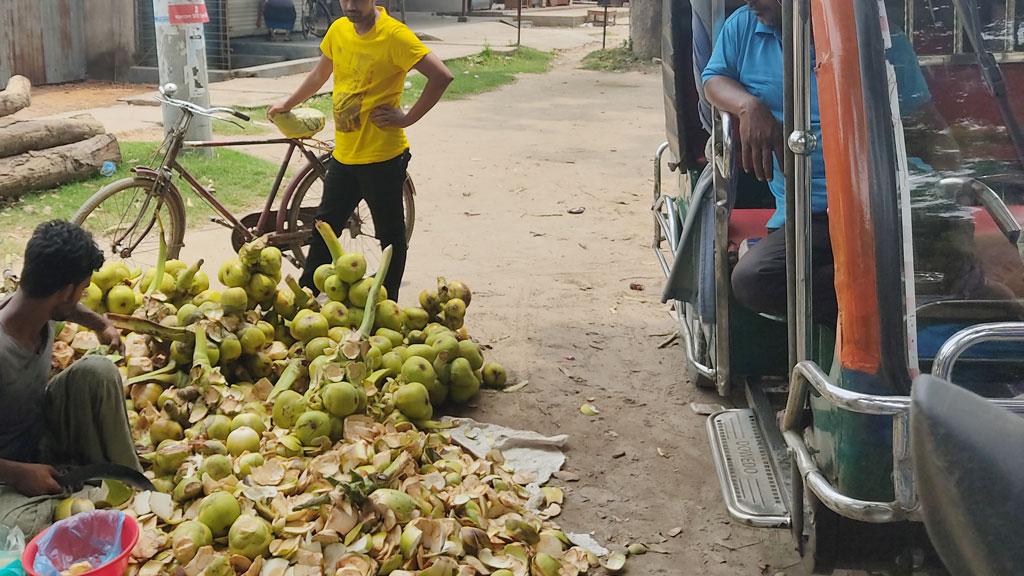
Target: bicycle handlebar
197, 109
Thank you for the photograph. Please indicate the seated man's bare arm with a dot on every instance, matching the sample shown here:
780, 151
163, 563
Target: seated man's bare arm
29, 479
760, 132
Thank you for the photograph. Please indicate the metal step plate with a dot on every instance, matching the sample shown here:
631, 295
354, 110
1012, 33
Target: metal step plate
750, 487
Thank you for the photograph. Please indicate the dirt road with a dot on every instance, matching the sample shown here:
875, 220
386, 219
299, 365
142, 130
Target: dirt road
497, 175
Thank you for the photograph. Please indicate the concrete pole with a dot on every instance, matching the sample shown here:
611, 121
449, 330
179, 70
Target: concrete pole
181, 59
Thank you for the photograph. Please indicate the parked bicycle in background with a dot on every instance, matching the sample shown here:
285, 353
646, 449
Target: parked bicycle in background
317, 18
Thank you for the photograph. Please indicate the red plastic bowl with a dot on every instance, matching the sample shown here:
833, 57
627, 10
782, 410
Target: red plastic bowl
116, 567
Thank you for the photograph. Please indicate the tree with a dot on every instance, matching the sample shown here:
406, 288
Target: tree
645, 28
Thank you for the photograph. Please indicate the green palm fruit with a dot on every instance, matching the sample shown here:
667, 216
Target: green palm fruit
464, 383
471, 351
321, 274
335, 288
389, 315
416, 318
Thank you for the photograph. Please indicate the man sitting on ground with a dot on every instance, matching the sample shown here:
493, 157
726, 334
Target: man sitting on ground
76, 418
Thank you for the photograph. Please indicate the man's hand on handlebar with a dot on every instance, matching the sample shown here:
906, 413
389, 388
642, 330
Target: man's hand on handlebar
279, 108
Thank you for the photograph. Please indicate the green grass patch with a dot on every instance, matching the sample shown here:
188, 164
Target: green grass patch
619, 59
483, 72
322, 103
257, 127
488, 70
240, 181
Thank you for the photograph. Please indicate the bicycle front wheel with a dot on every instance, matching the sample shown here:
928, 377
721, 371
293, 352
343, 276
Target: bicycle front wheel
358, 235
318, 20
122, 217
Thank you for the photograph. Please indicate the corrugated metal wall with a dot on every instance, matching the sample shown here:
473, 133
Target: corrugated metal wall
109, 39
43, 40
242, 17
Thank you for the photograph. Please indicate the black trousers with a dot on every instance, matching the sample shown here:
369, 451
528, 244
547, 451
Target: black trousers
380, 184
759, 278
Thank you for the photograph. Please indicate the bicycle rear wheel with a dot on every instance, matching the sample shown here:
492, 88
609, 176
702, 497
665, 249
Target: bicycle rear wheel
358, 234
317, 20
122, 219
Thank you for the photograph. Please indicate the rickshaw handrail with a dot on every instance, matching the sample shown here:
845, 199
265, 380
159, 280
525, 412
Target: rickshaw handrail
905, 506
657, 169
808, 371
862, 510
662, 228
952, 349
723, 157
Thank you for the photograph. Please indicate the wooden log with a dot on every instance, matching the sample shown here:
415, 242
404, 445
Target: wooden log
45, 169
19, 136
16, 96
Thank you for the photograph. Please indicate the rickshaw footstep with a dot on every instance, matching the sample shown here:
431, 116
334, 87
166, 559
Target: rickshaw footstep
750, 485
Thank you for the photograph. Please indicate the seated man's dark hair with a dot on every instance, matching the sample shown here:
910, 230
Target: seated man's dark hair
58, 254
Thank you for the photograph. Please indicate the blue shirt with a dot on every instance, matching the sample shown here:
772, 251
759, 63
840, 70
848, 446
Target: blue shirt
750, 53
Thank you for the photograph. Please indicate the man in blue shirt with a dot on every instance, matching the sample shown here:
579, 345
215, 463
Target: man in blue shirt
745, 78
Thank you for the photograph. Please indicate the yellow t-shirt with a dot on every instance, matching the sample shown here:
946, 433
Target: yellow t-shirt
369, 71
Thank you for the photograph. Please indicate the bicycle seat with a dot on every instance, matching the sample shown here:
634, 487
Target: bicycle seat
300, 123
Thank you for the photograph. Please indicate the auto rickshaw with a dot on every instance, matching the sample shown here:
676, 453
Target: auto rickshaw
853, 437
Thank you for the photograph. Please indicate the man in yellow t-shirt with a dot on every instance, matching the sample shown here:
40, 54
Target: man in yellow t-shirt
369, 53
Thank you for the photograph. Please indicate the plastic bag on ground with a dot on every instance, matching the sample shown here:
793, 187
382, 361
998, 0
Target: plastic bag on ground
12, 544
525, 451
93, 537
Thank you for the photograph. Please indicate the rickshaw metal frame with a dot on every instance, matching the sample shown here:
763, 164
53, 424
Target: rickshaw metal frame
905, 505
796, 46
663, 223
806, 376
723, 185
666, 225
949, 353
800, 142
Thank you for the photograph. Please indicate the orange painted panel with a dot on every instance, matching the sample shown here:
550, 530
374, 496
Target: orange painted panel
845, 145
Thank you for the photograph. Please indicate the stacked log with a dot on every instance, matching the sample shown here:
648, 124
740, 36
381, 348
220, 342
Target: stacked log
16, 96
46, 153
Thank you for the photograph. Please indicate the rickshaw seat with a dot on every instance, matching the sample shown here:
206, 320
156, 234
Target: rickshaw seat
745, 223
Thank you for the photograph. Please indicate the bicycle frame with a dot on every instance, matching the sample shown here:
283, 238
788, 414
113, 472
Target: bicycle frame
264, 225
170, 165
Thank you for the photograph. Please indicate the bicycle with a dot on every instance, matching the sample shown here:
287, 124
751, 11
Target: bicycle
123, 215
316, 18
